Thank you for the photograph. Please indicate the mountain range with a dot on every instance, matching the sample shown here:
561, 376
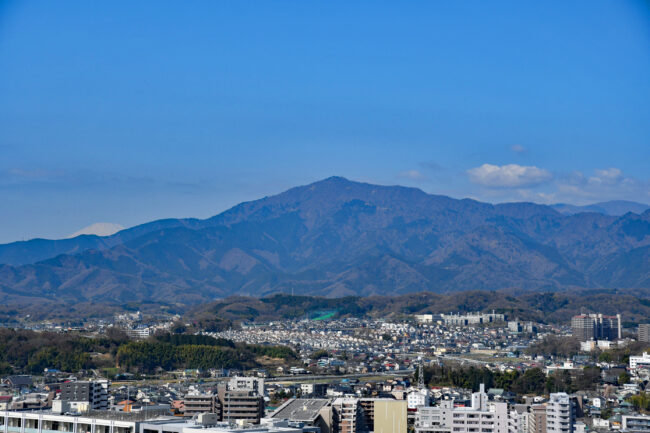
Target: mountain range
336, 238
612, 207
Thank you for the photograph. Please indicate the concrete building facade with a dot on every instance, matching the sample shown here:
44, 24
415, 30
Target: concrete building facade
587, 327
195, 404
390, 416
560, 413
537, 419
482, 416
644, 332
94, 394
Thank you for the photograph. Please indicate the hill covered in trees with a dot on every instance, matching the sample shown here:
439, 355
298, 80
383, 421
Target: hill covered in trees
556, 307
32, 352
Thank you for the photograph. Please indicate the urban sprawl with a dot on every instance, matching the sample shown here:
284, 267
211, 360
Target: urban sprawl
448, 373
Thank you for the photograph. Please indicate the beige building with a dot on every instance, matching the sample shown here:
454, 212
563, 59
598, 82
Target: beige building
390, 416
537, 419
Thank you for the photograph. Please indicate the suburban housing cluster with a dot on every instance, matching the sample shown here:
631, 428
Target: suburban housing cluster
360, 376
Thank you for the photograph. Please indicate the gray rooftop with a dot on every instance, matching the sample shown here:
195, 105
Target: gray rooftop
301, 409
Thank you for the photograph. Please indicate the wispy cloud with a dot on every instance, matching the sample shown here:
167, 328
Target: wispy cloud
12, 176
411, 174
35, 178
609, 176
509, 176
574, 188
518, 148
425, 171
431, 166
604, 184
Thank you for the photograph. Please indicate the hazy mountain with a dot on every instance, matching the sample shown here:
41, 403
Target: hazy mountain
99, 229
614, 207
336, 237
36, 250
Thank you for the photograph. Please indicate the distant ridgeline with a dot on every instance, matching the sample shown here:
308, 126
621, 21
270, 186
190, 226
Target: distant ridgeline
339, 238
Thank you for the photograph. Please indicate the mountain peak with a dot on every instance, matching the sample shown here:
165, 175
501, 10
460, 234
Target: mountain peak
337, 237
335, 179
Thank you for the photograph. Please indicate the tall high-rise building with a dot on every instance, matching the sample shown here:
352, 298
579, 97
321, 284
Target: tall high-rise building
644, 332
582, 327
587, 327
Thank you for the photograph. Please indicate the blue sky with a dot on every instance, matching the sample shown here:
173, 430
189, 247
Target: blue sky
127, 112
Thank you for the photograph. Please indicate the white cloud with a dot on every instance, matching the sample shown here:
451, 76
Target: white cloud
412, 174
509, 175
518, 148
606, 176
604, 184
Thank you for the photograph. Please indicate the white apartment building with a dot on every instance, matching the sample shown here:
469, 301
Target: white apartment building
560, 414
640, 361
139, 333
635, 423
424, 318
44, 422
205, 425
518, 419
253, 384
417, 398
481, 417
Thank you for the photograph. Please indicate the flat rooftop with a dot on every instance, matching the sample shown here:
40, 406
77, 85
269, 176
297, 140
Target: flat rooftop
301, 409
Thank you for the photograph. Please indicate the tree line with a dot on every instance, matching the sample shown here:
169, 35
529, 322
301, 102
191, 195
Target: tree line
147, 356
32, 352
532, 381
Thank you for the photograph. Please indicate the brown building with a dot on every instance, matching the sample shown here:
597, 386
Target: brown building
644, 332
241, 405
537, 420
201, 403
242, 398
587, 327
